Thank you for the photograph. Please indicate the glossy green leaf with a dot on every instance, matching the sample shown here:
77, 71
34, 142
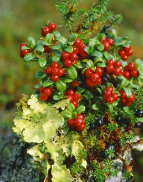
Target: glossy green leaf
128, 91
88, 94
31, 42
72, 73
118, 41
62, 40
24, 47
39, 74
55, 58
56, 33
60, 85
101, 65
42, 62
100, 47
79, 64
67, 114
70, 107
49, 37
47, 83
56, 47
95, 107
72, 37
97, 54
29, 57
88, 62
39, 48
80, 109
38, 86
69, 49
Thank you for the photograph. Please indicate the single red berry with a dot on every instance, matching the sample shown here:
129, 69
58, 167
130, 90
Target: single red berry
121, 53
81, 127
47, 91
104, 38
46, 48
43, 97
129, 53
65, 55
110, 100
115, 96
99, 71
73, 57
78, 122
54, 71
55, 65
74, 84
88, 72
127, 74
83, 55
126, 68
71, 123
41, 89
109, 89
89, 82
131, 98
107, 93
110, 69
80, 116
54, 78
117, 64
131, 66
45, 31
24, 52
128, 103
23, 44
75, 103
52, 26
106, 45
60, 72
76, 97
71, 92
21, 54
104, 97
48, 70
123, 101
122, 72
110, 41
94, 77
109, 62
126, 49
75, 50
134, 73
117, 71
77, 42
70, 97
98, 81
67, 63
74, 62
123, 94
81, 47
124, 58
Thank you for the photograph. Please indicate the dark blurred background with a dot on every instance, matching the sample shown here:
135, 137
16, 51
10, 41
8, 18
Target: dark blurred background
20, 19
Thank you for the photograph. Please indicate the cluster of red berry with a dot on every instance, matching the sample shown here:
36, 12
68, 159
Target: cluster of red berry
77, 122
54, 71
45, 92
109, 96
93, 78
125, 52
23, 52
130, 71
78, 50
126, 100
48, 29
73, 97
107, 43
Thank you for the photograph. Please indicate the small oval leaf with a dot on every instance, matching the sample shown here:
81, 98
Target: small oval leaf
61, 86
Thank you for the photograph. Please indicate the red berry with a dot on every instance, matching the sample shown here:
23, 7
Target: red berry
134, 73
75, 50
131, 98
123, 94
89, 82
45, 31
43, 97
109, 89
48, 70
117, 71
129, 53
80, 116
126, 68
47, 91
75, 103
115, 96
65, 55
54, 71
104, 38
88, 72
128, 103
41, 89
94, 77
83, 55
81, 127
110, 41
73, 57
54, 78
71, 123
121, 53
106, 45
67, 63
99, 71
122, 72
21, 55
123, 101
131, 66
70, 97
81, 47
78, 122
124, 58
109, 62
110, 100
71, 92
110, 69
46, 49
76, 97
24, 52
77, 42
52, 26
75, 84
60, 72
127, 74
126, 49
98, 81
117, 64
55, 65
107, 93
23, 44
104, 97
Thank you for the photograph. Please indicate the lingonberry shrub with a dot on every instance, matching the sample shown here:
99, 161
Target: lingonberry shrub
89, 99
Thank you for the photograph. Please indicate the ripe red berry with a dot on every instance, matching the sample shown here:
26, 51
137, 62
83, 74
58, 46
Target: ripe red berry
89, 82
104, 38
110, 69
124, 58
122, 72
47, 91
99, 71
70, 92
60, 72
75, 103
121, 53
110, 41
24, 52
54, 78
94, 77
78, 122
109, 89
81, 127
46, 49
74, 84
123, 101
76, 97
134, 73
71, 123
23, 44
77, 42
131, 66
127, 74
81, 47
83, 55
106, 45
115, 96
41, 89
98, 81
65, 55
104, 97
109, 62
117, 64
126, 49
131, 98
107, 93
110, 100
75, 50
48, 70
45, 31
88, 72
52, 26
126, 68
54, 71
129, 53
117, 71
73, 57
55, 65
128, 103
70, 97
43, 97
123, 94
67, 63
80, 116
